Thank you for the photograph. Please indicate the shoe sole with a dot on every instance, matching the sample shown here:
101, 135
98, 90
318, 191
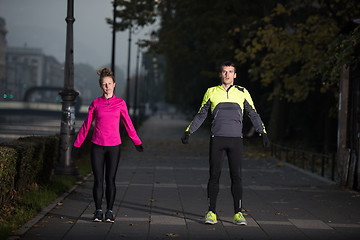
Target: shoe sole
240, 223
110, 221
210, 222
97, 220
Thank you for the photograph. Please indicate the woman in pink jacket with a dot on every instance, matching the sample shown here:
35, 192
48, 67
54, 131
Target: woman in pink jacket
105, 151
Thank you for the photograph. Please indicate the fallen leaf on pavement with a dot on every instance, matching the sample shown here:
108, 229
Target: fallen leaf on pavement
173, 235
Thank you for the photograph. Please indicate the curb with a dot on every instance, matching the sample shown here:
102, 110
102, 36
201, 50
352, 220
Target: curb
309, 173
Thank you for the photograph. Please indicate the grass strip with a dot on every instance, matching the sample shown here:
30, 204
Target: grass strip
28, 204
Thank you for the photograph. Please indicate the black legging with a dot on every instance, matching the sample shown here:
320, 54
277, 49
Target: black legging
233, 147
104, 157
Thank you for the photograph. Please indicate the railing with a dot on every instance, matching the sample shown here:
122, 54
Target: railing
322, 164
40, 106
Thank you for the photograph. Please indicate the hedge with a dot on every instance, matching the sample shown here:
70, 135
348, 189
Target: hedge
8, 158
24, 163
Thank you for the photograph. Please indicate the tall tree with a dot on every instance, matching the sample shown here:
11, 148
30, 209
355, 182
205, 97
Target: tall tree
195, 37
133, 13
287, 49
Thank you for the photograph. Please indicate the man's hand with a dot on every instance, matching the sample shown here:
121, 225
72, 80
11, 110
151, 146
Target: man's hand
185, 137
266, 142
139, 148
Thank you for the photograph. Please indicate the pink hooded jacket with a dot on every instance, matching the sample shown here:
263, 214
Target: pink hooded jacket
107, 113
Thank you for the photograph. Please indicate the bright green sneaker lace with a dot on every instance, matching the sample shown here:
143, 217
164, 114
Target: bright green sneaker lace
210, 218
239, 219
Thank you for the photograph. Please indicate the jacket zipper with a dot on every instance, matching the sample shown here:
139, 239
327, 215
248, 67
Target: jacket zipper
227, 91
108, 103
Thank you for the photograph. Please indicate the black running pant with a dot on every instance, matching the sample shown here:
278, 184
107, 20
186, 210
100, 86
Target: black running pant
104, 158
233, 147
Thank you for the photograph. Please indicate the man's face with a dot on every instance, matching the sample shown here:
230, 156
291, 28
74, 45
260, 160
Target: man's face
227, 75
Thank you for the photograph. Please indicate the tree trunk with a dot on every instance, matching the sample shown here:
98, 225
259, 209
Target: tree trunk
277, 120
342, 166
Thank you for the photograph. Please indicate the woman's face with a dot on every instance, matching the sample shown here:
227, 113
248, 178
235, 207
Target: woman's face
107, 85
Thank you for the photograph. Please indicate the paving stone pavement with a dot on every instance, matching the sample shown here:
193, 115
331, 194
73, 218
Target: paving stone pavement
161, 194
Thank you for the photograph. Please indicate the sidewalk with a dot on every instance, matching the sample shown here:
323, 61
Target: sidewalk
161, 194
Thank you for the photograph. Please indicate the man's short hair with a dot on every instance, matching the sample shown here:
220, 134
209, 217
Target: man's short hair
227, 64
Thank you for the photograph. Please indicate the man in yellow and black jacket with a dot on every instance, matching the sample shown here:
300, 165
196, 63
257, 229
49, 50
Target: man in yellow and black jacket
227, 103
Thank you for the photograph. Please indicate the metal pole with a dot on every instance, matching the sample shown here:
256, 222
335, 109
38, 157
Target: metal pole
66, 165
136, 85
128, 72
113, 39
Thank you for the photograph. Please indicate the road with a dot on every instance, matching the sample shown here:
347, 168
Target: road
15, 124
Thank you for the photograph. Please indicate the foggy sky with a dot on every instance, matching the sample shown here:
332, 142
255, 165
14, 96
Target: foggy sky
41, 24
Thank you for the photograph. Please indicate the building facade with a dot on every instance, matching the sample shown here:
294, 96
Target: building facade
27, 68
24, 70
2, 56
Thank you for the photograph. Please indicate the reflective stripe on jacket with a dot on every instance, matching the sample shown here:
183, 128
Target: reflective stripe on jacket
107, 114
227, 109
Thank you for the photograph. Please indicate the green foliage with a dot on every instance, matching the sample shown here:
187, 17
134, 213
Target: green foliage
24, 162
27, 183
27, 205
196, 37
133, 13
291, 50
8, 158
46, 153
344, 50
293, 46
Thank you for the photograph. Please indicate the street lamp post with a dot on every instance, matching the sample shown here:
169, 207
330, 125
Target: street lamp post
136, 85
113, 39
66, 165
128, 71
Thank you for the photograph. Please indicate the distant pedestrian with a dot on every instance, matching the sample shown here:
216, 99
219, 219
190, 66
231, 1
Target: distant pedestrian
226, 103
106, 111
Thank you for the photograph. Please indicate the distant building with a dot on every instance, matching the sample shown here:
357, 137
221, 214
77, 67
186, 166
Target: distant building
29, 67
53, 72
24, 70
2, 55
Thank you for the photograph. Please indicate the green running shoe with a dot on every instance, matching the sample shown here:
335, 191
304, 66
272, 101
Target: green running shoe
210, 218
239, 219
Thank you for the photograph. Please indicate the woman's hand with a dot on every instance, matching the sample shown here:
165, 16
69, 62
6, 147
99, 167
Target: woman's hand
139, 148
